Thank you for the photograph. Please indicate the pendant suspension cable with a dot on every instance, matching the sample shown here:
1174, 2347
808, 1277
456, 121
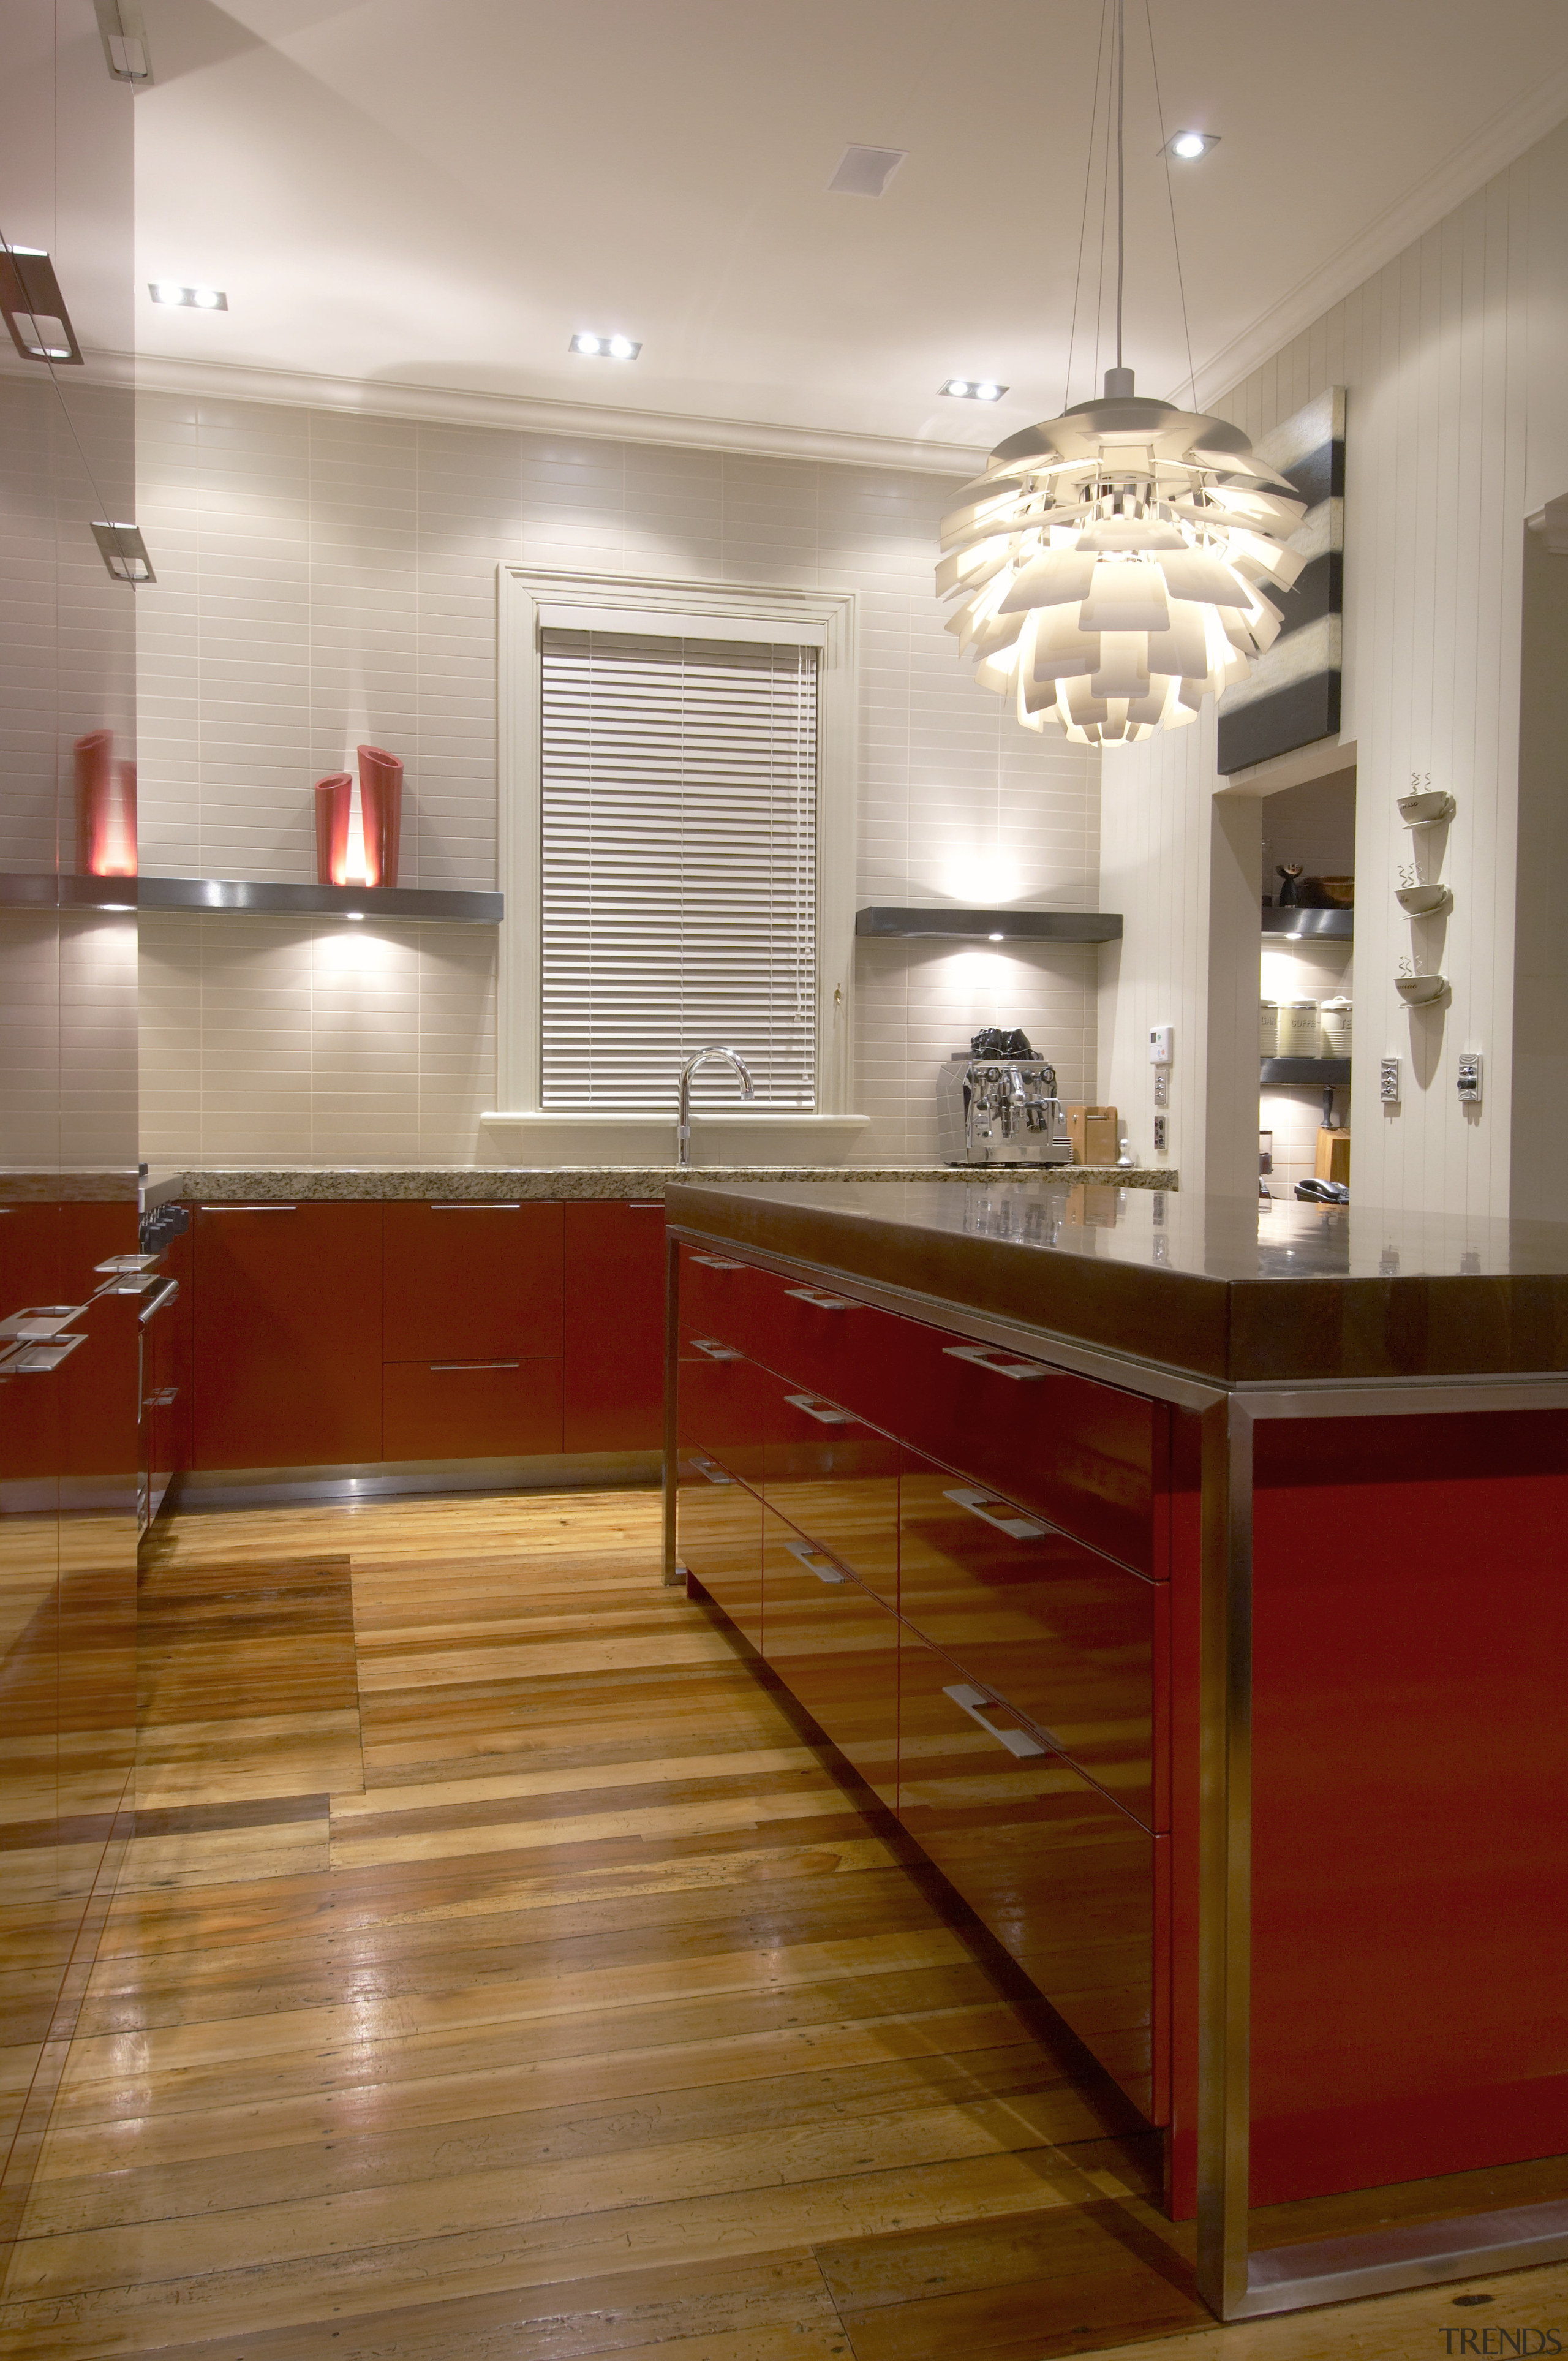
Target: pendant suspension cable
1170, 202
1121, 171
1083, 213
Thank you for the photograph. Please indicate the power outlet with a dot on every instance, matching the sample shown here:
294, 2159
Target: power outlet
1388, 1081
1161, 1135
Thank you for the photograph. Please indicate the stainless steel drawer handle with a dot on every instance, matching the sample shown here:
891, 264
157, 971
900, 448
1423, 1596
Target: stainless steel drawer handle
714, 1350
814, 1296
36, 1323
970, 1700
717, 1262
1000, 1364
248, 1209
118, 1263
1000, 1514
38, 1360
822, 1411
649, 1205
161, 1302
483, 1205
435, 1368
711, 1470
164, 1399
825, 1572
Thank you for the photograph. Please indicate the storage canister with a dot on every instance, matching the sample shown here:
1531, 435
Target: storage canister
1335, 1017
1268, 1028
1300, 1034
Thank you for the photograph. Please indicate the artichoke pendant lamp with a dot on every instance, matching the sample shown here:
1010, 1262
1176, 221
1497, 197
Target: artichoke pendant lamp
1111, 566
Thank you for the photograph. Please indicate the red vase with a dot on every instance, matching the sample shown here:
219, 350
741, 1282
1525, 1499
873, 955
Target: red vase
381, 810
106, 809
334, 798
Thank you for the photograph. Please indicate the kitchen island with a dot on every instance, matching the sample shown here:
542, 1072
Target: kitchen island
1189, 1581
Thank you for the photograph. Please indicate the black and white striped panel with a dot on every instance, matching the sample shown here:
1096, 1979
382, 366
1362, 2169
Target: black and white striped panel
1293, 696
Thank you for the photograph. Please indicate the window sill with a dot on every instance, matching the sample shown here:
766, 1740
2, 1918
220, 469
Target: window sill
762, 1138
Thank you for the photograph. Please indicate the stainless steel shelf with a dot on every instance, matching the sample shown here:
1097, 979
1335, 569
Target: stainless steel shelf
1338, 925
247, 899
993, 926
1280, 1074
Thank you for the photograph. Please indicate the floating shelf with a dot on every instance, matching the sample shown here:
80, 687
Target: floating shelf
1338, 925
49, 893
993, 926
1280, 1074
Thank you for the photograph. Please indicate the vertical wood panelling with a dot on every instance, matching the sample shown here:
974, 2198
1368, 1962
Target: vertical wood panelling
1438, 353
324, 578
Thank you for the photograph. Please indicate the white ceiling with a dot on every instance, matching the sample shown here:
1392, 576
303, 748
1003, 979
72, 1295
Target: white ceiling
433, 194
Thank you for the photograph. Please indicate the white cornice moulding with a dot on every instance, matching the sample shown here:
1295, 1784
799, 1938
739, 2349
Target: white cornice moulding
1500, 142
525, 414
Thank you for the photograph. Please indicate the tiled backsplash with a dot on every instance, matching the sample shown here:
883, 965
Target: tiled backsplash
325, 579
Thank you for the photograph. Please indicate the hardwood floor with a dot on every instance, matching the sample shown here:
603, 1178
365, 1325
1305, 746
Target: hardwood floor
497, 1970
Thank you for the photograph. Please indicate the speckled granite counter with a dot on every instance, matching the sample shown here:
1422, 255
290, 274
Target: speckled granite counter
274, 1183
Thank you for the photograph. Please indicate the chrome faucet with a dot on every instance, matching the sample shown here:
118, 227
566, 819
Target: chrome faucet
684, 1125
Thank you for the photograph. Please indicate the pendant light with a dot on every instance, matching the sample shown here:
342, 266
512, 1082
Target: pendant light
1112, 566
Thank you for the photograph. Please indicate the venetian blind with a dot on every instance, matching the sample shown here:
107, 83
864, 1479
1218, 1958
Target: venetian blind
679, 868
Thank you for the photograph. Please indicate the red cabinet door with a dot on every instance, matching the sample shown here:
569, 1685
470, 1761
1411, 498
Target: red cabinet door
470, 1409
614, 1325
1067, 1882
287, 1335
719, 1538
835, 1479
472, 1281
835, 1647
1076, 1642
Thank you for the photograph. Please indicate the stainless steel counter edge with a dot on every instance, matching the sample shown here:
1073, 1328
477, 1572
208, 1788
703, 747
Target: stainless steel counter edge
328, 1183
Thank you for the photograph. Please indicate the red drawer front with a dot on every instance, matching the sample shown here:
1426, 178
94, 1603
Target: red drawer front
470, 1409
1071, 1886
835, 1647
287, 1335
1089, 1457
614, 1325
719, 1538
473, 1281
725, 1405
1075, 1641
834, 1478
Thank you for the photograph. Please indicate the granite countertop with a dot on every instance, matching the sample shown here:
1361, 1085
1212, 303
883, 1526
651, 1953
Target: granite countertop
272, 1183
1216, 1288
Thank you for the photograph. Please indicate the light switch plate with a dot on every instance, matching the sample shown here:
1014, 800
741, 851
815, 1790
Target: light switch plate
1470, 1077
1388, 1081
1162, 1086
1161, 1134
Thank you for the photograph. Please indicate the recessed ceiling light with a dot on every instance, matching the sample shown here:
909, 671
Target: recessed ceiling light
1189, 144
191, 299
972, 389
866, 171
606, 348
993, 938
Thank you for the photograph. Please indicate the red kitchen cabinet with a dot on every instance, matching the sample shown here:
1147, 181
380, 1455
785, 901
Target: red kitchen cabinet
1072, 1886
835, 1647
287, 1335
472, 1281
719, 1538
614, 1262
470, 1409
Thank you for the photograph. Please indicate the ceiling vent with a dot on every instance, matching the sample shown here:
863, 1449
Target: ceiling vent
866, 171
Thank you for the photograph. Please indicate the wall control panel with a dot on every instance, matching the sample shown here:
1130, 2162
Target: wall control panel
1470, 1077
1160, 1038
1388, 1081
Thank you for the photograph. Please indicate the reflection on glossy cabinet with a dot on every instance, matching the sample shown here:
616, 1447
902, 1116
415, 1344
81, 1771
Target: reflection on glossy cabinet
475, 1280
835, 1647
719, 1538
1070, 1885
288, 1336
614, 1325
1075, 1641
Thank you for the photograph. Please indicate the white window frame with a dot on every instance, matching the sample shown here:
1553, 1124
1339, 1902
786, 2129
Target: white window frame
530, 599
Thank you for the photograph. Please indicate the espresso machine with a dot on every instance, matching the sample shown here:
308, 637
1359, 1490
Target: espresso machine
997, 1105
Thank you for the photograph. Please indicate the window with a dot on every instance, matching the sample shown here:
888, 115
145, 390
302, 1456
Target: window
677, 855
678, 866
